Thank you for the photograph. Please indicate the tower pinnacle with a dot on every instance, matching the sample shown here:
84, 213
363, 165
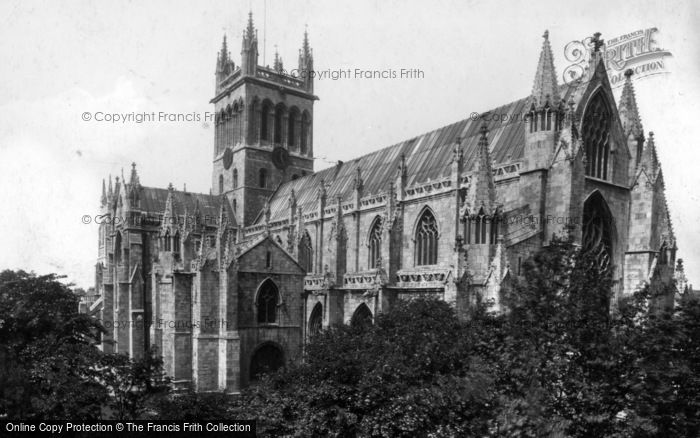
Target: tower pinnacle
545, 89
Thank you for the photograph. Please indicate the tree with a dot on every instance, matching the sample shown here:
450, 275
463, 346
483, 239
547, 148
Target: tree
410, 373
46, 350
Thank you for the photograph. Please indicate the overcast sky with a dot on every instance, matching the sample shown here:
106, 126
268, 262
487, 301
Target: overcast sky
61, 59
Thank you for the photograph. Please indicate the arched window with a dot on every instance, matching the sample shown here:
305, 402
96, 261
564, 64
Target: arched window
253, 120
279, 120
268, 299
362, 316
234, 124
265, 114
118, 248
480, 228
306, 253
266, 359
235, 205
166, 241
598, 230
292, 127
494, 221
221, 184
468, 228
262, 178
316, 320
268, 259
176, 242
375, 243
426, 240
235, 178
663, 254
596, 136
304, 142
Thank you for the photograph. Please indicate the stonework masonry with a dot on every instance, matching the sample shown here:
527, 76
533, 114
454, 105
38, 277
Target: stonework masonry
233, 283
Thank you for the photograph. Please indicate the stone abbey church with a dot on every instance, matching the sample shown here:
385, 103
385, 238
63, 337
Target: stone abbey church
231, 283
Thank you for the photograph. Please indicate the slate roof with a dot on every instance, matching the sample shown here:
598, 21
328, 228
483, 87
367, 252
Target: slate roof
153, 199
427, 158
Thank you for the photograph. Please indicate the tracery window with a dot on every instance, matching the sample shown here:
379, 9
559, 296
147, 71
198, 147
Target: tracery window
268, 299
375, 244
596, 137
426, 238
316, 319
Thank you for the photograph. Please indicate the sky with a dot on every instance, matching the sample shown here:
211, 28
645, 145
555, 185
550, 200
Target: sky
63, 59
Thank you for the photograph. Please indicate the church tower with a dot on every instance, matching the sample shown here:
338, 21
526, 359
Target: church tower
263, 125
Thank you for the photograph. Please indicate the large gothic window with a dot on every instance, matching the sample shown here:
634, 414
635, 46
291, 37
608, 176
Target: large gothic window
426, 238
305, 124
292, 127
375, 243
598, 231
279, 120
306, 253
362, 316
266, 359
316, 320
265, 115
268, 299
596, 136
495, 222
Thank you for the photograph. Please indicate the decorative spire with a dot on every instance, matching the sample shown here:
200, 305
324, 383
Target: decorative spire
134, 180
250, 30
278, 61
482, 190
103, 199
357, 182
629, 114
224, 52
110, 192
306, 49
545, 89
650, 160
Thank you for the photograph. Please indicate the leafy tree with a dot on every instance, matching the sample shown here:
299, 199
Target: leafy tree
409, 374
132, 383
46, 350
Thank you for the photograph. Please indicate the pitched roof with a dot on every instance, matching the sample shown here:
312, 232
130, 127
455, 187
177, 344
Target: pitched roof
153, 200
427, 158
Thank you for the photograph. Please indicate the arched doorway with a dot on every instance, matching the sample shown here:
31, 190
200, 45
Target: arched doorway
598, 231
316, 320
362, 316
266, 359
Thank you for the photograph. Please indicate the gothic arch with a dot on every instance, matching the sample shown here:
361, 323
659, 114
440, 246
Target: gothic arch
305, 141
305, 252
374, 243
267, 300
426, 235
596, 128
254, 120
279, 128
266, 117
598, 234
316, 320
293, 128
362, 316
267, 357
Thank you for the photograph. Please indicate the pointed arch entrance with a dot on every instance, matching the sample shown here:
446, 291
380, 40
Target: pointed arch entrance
598, 231
267, 358
362, 316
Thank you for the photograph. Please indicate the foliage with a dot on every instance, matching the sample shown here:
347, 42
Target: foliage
50, 367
